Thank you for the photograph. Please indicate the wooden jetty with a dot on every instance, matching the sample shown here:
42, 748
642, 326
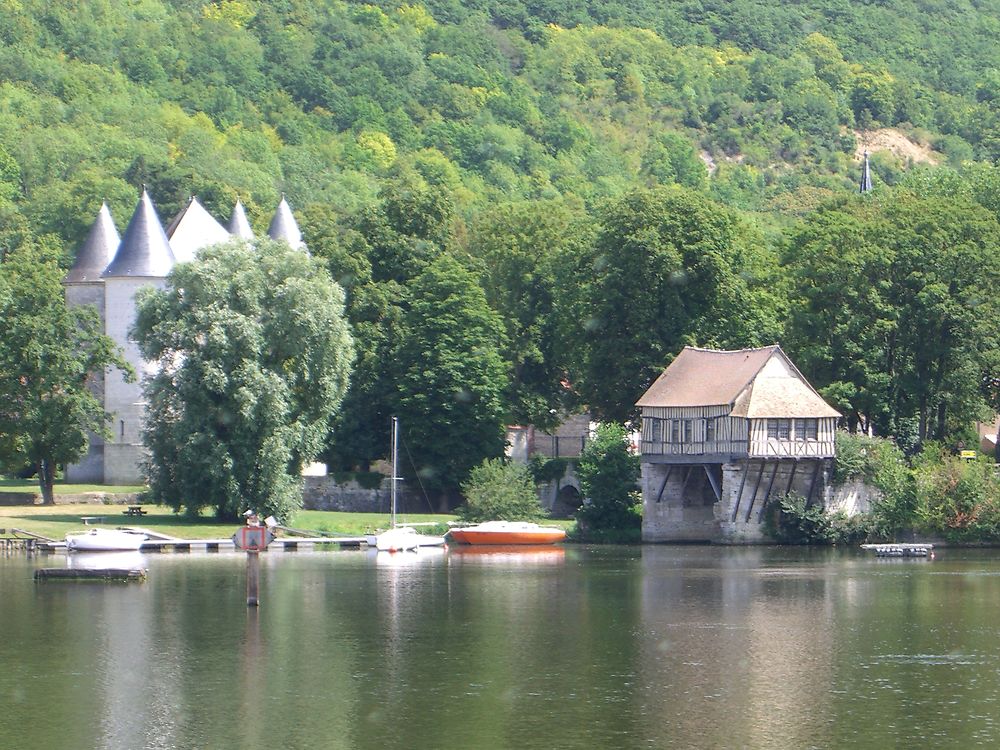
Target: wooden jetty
90, 574
896, 549
21, 541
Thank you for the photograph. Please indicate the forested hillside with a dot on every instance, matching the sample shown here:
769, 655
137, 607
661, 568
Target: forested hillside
490, 101
581, 187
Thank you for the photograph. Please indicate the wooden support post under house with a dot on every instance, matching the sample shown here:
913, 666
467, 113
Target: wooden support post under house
739, 495
753, 497
711, 481
767, 495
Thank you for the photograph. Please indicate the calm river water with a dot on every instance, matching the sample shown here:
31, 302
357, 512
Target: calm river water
640, 647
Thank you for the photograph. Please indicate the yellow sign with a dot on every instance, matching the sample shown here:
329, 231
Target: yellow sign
968, 454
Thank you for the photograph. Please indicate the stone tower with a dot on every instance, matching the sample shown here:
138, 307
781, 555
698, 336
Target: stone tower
84, 286
144, 258
107, 274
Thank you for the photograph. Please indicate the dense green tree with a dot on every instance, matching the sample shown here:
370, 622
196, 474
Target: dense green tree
385, 247
668, 268
254, 354
49, 353
451, 377
915, 333
609, 473
519, 248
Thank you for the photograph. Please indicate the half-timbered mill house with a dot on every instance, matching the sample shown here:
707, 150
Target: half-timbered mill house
724, 433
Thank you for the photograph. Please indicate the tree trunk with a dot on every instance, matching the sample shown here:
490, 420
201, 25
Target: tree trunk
942, 411
996, 449
46, 478
922, 425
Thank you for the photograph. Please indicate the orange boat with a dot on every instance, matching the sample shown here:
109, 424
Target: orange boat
507, 532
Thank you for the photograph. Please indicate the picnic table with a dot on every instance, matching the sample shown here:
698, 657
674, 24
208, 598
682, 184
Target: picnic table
134, 510
87, 520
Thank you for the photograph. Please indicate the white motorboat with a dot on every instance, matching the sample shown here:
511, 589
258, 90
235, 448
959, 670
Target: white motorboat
401, 538
121, 560
104, 540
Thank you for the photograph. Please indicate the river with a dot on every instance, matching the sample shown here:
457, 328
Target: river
560, 648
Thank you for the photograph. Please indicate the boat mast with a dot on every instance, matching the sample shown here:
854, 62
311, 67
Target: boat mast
395, 473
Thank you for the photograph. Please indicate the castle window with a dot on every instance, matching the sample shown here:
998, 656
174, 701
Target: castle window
123, 429
709, 430
655, 429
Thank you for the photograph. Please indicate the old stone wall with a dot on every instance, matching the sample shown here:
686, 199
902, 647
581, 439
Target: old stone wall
679, 509
749, 488
684, 508
96, 498
852, 498
325, 493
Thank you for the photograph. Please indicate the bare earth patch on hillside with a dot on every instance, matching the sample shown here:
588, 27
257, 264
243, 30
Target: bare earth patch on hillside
895, 142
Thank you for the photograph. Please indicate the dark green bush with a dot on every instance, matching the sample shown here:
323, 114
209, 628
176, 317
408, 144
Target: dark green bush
546, 469
791, 521
957, 498
500, 490
608, 474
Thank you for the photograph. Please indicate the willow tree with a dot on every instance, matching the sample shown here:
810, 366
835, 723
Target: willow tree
254, 354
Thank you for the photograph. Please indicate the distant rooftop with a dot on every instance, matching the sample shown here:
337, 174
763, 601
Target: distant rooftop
144, 250
97, 250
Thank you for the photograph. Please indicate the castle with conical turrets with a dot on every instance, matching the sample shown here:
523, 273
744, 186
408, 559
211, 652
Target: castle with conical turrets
107, 273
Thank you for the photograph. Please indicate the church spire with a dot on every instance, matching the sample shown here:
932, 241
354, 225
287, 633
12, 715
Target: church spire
284, 227
144, 250
97, 250
866, 175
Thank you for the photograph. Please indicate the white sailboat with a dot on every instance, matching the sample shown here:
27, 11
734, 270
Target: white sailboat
401, 538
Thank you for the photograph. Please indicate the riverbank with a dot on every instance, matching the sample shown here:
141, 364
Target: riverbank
55, 521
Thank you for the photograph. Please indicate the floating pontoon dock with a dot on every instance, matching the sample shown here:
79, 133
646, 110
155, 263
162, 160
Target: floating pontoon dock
900, 550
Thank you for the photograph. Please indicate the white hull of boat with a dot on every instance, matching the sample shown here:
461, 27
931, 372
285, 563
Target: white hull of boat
403, 538
104, 540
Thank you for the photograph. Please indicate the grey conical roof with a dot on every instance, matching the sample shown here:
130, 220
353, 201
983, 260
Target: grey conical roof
284, 227
97, 250
192, 229
144, 250
866, 176
239, 225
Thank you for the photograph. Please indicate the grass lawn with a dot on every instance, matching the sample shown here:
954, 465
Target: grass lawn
54, 521
30, 486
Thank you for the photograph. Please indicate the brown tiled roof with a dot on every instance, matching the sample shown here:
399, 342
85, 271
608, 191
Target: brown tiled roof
706, 377
784, 397
709, 377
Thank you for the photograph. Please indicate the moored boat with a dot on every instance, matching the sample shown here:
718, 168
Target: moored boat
104, 540
507, 532
400, 538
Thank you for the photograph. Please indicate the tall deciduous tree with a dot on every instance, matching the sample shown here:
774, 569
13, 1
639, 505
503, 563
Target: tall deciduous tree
897, 313
451, 376
386, 246
48, 351
517, 248
255, 355
669, 267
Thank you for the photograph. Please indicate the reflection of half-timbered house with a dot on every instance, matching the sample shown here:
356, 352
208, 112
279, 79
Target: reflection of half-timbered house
724, 433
